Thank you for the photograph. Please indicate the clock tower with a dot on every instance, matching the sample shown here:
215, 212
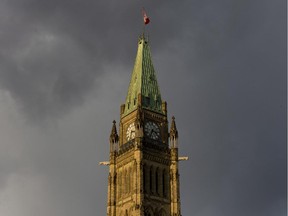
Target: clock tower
143, 166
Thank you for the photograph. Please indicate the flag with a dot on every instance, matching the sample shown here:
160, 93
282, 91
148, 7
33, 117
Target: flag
145, 17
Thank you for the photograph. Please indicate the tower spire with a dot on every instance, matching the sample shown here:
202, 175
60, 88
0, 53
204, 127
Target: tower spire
143, 88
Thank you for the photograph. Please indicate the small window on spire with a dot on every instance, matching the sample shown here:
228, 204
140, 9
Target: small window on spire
134, 101
148, 100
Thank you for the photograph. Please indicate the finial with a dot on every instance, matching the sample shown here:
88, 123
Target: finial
173, 129
114, 136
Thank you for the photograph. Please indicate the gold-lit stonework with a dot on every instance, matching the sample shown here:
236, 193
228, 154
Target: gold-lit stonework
143, 167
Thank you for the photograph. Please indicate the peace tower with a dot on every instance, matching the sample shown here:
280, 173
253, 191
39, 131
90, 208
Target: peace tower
143, 167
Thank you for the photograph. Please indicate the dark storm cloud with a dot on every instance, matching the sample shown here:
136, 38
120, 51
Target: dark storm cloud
221, 68
52, 51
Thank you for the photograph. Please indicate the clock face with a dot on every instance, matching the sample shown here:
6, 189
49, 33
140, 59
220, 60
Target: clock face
152, 130
130, 134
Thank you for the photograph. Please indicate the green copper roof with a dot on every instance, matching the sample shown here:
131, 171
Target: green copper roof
143, 82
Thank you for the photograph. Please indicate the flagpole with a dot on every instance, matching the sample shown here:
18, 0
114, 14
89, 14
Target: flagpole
143, 12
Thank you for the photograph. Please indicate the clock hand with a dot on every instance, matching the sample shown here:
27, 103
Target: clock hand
151, 132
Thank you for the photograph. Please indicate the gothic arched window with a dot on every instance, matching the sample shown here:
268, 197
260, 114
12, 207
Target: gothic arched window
151, 179
157, 181
131, 179
125, 182
128, 180
164, 179
120, 185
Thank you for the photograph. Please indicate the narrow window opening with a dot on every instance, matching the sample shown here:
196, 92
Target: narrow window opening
151, 180
128, 182
163, 183
156, 182
120, 185
144, 179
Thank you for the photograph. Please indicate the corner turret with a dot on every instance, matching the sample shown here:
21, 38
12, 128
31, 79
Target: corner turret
173, 134
114, 138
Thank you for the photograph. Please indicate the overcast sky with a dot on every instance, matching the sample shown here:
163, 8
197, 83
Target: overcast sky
65, 67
